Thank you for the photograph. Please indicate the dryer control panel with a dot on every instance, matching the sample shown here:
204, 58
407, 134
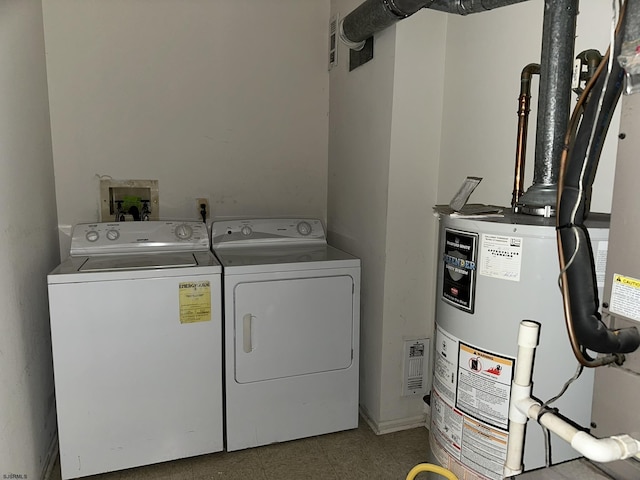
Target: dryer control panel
277, 231
138, 237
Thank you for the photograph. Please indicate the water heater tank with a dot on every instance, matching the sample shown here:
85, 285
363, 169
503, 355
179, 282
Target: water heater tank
492, 274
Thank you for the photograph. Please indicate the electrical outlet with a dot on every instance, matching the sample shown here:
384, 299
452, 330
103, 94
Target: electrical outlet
199, 203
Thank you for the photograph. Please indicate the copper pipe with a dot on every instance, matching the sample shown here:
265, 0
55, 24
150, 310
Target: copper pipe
578, 351
524, 101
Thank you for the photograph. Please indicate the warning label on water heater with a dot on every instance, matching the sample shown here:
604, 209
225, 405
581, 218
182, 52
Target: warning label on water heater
484, 385
470, 408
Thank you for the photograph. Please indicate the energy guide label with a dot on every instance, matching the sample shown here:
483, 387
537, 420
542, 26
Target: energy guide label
195, 301
470, 407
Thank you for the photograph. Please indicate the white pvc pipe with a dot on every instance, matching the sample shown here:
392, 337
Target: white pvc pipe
527, 343
515, 447
520, 389
523, 407
603, 450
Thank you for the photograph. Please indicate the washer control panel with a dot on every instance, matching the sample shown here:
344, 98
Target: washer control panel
138, 237
231, 233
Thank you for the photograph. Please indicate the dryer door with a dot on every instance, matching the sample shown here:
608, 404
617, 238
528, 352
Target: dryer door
286, 328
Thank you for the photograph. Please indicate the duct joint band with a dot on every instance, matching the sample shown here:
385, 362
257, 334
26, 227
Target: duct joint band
393, 8
357, 46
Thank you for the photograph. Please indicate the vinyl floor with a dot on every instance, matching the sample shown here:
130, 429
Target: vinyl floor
356, 454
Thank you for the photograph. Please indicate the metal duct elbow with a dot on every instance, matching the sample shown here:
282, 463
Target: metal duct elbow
465, 7
374, 16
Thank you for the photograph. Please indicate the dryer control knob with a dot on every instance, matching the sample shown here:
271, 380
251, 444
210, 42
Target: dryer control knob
92, 236
183, 232
113, 235
304, 228
246, 230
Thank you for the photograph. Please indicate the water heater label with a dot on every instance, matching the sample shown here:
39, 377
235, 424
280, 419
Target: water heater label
470, 407
600, 251
459, 268
625, 297
501, 257
484, 385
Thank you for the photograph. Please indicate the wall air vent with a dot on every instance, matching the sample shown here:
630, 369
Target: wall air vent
415, 368
333, 42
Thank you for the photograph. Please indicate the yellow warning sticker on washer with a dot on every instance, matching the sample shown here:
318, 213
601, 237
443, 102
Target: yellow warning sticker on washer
195, 301
625, 296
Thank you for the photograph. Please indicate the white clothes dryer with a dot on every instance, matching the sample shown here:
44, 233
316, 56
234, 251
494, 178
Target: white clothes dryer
137, 346
291, 331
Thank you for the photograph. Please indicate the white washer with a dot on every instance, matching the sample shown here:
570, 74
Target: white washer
291, 329
137, 346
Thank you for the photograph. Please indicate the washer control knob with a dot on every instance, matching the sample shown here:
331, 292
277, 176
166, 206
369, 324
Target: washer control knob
92, 236
113, 235
304, 228
184, 232
246, 230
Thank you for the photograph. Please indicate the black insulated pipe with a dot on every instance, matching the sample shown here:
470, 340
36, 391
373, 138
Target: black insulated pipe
573, 207
374, 16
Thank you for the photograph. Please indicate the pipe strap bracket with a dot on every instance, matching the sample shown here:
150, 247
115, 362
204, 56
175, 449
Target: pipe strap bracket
565, 226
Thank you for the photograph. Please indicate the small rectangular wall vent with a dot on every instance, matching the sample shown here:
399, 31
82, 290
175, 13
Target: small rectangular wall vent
415, 368
333, 42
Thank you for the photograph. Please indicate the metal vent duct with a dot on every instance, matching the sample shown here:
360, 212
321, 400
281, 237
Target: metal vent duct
558, 33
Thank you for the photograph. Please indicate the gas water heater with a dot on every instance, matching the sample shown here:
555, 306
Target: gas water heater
493, 273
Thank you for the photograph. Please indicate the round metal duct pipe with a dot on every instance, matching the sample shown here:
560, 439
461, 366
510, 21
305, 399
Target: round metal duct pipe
466, 7
374, 16
558, 34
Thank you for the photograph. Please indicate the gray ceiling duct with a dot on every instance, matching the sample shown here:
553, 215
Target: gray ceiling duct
374, 16
465, 7
558, 33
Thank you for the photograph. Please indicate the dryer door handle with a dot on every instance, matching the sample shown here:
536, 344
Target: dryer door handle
246, 333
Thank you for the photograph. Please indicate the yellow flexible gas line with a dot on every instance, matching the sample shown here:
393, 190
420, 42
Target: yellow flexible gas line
430, 467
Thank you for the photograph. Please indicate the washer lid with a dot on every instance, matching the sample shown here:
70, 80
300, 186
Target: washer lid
134, 266
137, 262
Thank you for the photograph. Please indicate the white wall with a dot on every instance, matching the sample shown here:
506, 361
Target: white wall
485, 55
29, 244
226, 99
359, 147
409, 290
383, 159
